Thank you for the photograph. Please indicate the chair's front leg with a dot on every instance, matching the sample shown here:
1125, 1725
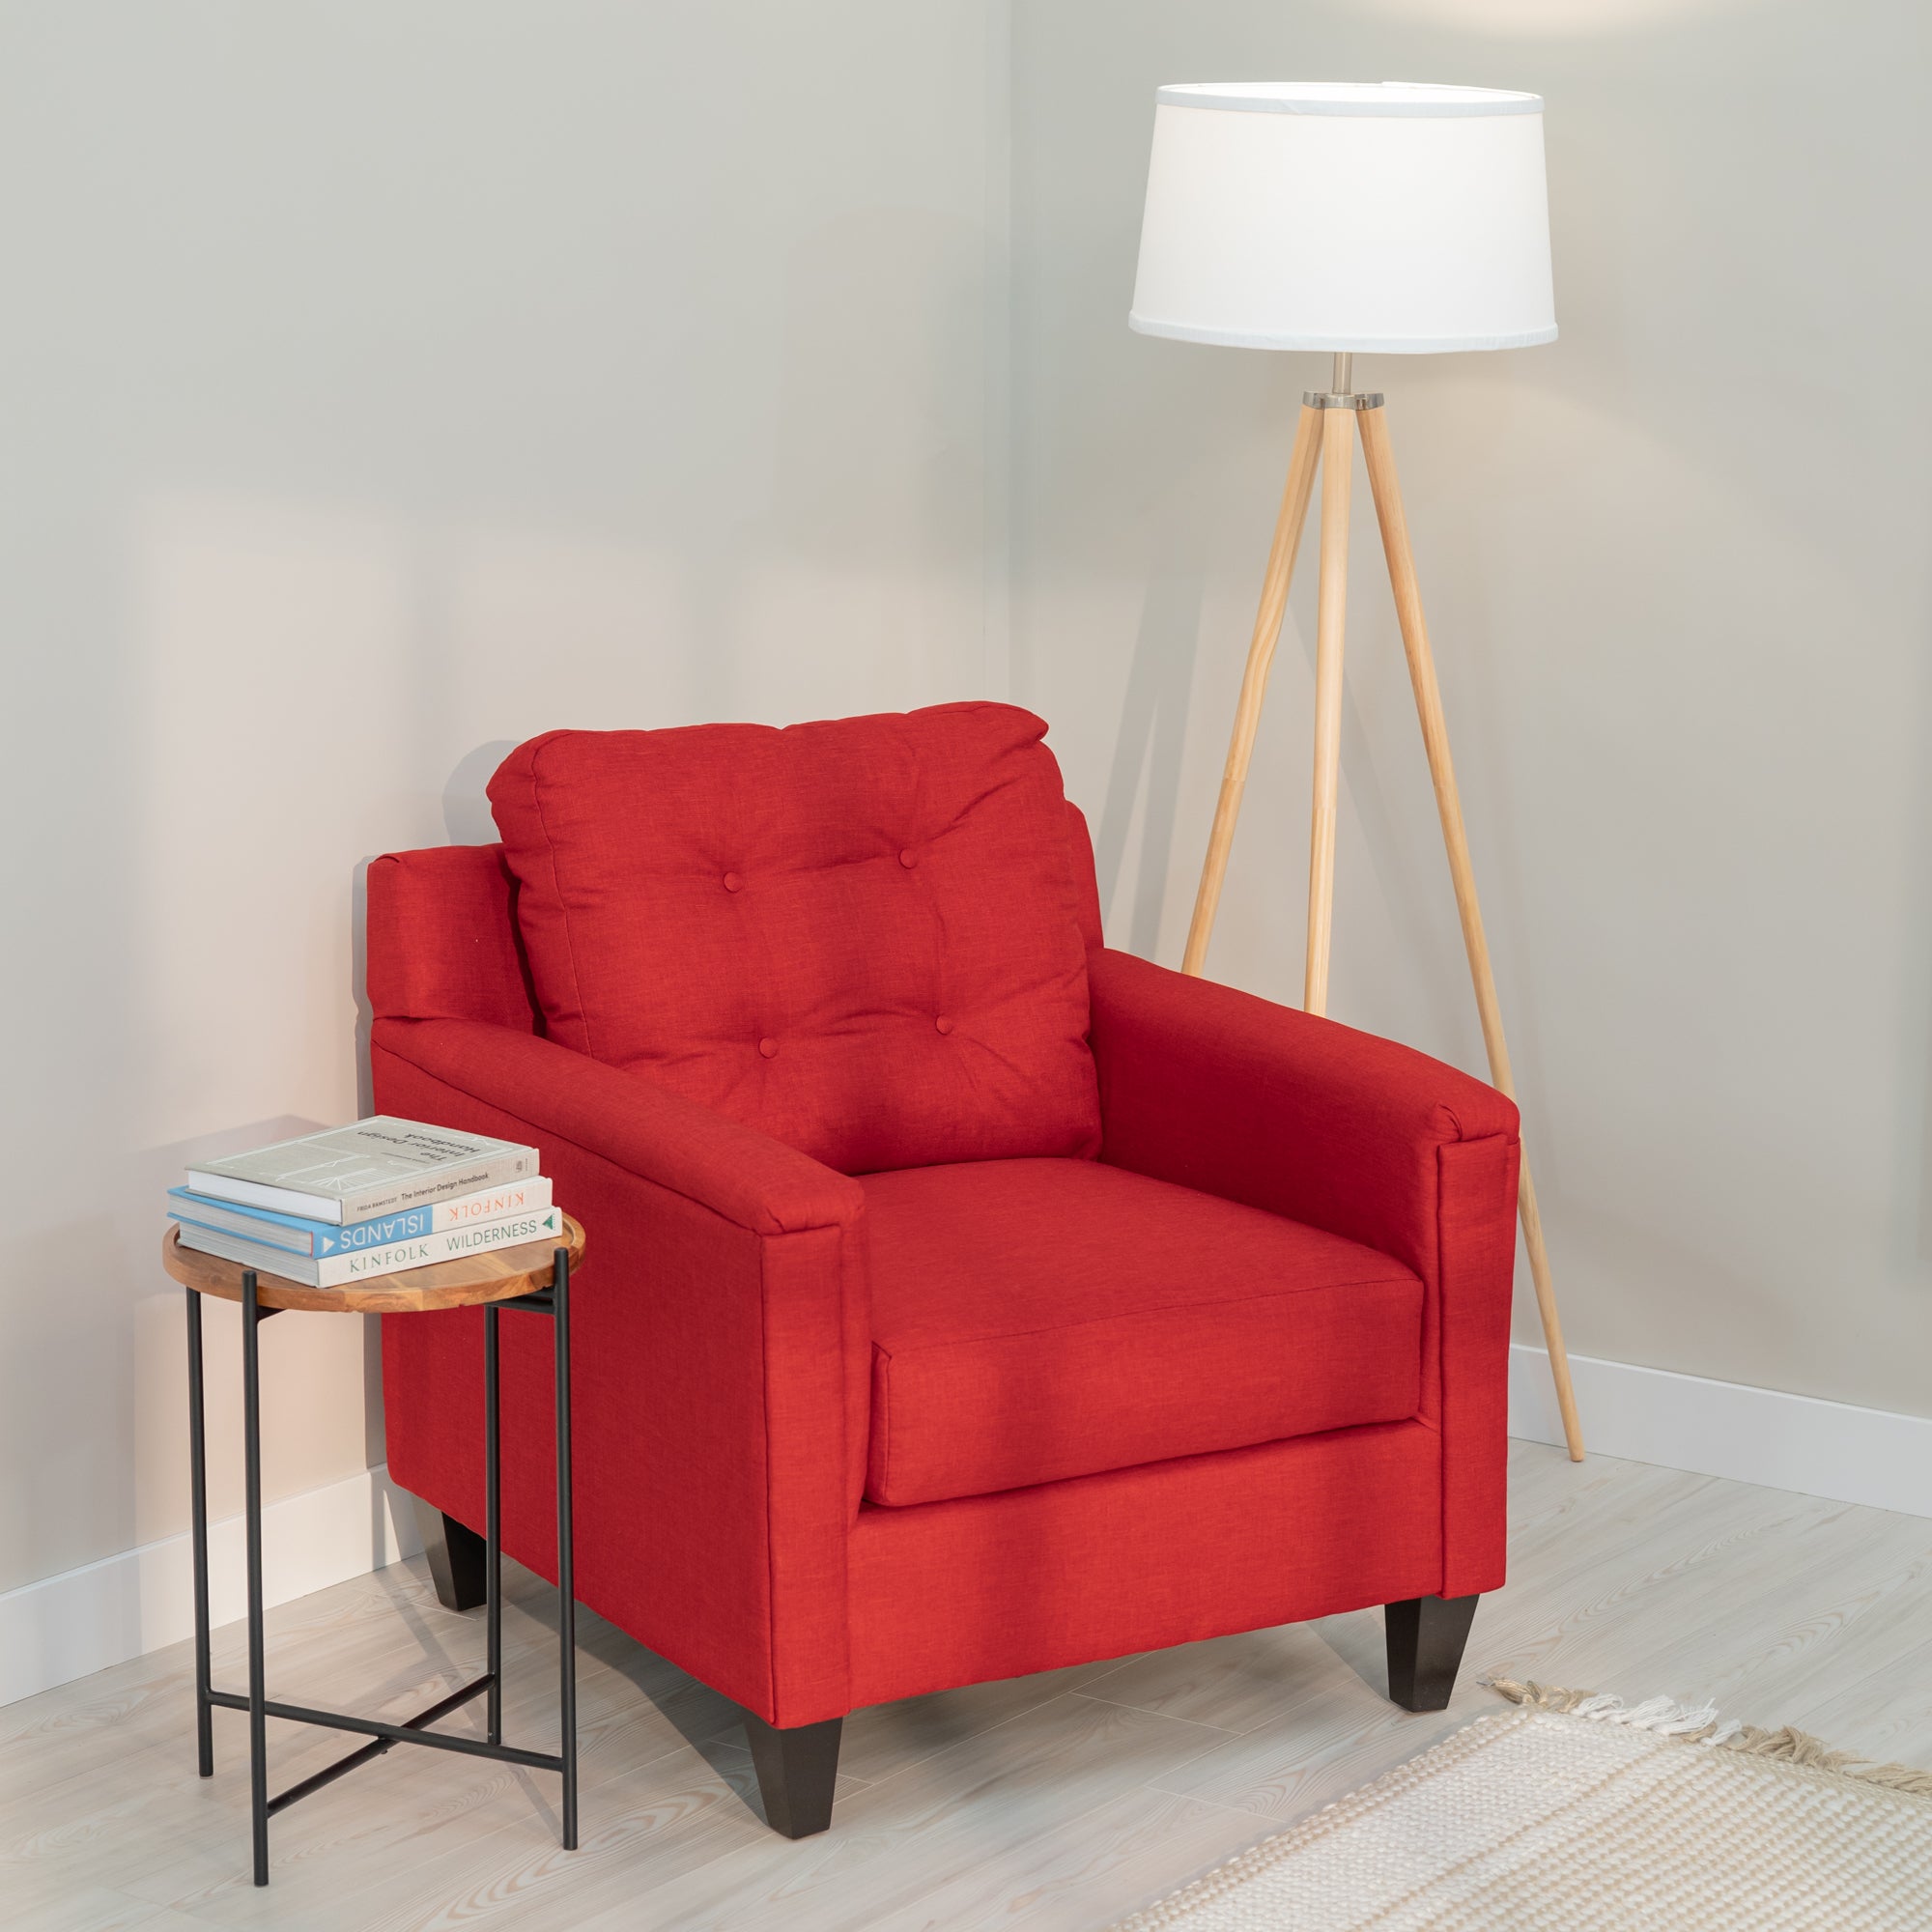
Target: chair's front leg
797, 1770
1425, 1636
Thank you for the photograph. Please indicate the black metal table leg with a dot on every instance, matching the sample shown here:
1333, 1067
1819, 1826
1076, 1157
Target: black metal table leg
554, 1301
197, 1511
493, 1532
251, 1438
567, 1567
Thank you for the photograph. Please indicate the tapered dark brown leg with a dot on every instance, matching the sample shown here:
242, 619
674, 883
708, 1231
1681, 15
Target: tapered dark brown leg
797, 1770
1426, 1635
455, 1554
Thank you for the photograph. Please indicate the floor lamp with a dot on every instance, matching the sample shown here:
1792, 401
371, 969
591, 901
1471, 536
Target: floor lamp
1395, 218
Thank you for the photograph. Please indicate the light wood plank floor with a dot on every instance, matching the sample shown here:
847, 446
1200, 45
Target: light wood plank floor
1056, 1801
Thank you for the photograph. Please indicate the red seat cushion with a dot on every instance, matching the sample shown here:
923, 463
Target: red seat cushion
862, 937
1034, 1319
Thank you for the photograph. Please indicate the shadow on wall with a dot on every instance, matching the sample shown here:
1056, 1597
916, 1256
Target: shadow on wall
375, 1441
1913, 1187
358, 984
154, 1464
862, 590
466, 804
466, 817
1148, 752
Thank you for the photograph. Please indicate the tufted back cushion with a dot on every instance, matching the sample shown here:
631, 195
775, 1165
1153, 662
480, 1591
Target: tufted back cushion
862, 937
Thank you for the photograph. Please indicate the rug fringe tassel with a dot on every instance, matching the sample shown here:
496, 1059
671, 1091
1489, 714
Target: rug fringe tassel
1698, 1724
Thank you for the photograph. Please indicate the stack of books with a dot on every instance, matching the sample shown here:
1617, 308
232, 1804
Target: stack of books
378, 1197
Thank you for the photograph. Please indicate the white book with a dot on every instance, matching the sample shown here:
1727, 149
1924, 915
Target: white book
514, 1231
322, 1239
371, 1167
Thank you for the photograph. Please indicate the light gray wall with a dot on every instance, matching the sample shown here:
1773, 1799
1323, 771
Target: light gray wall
382, 384
1676, 573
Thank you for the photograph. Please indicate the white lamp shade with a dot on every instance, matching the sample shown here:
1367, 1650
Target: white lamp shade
1390, 216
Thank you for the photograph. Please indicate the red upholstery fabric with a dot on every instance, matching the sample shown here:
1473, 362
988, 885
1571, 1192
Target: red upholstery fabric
1475, 1234
719, 1335
725, 1327
1037, 1320
1086, 888
862, 937
1168, 1553
1213, 1089
443, 938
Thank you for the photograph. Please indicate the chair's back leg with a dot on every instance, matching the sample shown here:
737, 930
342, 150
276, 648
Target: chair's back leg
455, 1554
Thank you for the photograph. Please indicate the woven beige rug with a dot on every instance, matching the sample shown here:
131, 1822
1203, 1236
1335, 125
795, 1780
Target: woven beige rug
1576, 1813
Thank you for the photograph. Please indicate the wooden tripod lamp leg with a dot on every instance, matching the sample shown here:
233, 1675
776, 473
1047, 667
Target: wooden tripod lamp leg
1254, 681
1387, 493
1338, 463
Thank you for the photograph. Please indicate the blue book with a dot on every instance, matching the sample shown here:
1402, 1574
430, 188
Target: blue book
320, 1240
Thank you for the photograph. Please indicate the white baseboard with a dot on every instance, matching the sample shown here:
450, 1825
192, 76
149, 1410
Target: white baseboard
83, 1620
1831, 1449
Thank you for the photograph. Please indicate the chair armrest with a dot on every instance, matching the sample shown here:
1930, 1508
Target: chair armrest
1235, 1096
647, 1130
721, 1341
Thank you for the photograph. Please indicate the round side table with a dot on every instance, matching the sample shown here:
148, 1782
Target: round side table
535, 1278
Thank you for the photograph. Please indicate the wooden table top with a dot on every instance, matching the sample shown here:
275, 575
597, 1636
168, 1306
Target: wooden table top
494, 1276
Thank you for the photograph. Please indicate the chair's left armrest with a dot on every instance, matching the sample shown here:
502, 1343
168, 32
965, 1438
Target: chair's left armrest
1237, 1096
1233, 1095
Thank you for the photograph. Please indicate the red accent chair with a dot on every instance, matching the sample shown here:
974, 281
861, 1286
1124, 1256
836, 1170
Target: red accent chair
963, 1298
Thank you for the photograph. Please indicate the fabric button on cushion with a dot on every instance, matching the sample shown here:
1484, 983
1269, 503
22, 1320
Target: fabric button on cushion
768, 1048
943, 1024
1036, 1319
908, 858
620, 841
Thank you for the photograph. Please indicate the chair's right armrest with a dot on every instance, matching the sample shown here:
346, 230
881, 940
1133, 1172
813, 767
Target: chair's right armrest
721, 1339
